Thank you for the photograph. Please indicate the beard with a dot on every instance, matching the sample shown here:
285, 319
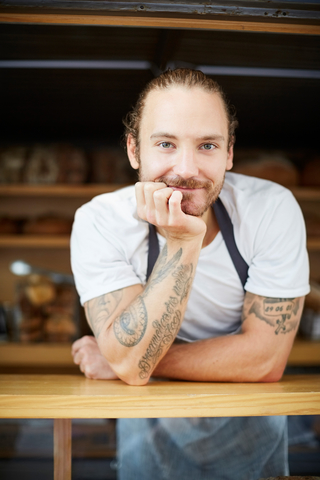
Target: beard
190, 205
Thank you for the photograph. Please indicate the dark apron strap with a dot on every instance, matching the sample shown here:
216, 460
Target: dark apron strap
154, 249
226, 228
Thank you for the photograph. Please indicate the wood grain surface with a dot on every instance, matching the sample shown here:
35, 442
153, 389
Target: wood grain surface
159, 22
71, 396
62, 449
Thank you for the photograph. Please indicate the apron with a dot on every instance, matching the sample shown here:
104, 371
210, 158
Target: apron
236, 448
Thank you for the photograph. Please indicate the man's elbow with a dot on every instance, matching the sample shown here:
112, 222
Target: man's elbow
130, 375
273, 374
124, 369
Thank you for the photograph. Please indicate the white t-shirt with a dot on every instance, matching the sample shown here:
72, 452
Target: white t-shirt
109, 250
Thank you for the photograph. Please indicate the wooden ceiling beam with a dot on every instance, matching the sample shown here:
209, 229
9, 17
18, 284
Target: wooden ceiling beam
158, 22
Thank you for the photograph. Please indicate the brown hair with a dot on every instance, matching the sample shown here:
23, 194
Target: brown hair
184, 77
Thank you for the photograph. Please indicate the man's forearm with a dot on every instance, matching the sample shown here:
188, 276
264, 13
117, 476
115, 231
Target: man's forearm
235, 358
141, 335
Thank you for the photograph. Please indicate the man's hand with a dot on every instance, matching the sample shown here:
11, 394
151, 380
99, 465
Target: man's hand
161, 206
86, 354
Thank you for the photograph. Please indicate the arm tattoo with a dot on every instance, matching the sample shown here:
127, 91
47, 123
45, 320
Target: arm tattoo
184, 277
168, 326
162, 268
129, 328
100, 309
279, 313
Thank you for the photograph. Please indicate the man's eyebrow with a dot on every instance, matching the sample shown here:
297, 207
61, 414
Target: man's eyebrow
162, 134
213, 137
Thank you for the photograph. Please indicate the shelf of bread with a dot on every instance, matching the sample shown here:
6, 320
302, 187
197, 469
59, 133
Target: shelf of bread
304, 353
93, 189
35, 241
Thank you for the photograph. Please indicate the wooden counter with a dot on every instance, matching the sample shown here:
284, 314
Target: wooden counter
64, 397
72, 396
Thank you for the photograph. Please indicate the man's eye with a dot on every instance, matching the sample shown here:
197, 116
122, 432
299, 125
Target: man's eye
165, 144
208, 146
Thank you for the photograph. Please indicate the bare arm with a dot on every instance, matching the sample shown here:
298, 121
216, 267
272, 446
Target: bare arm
134, 327
258, 354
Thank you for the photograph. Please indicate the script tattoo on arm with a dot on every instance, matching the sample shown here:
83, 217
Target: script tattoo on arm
279, 313
166, 329
184, 277
99, 310
162, 268
129, 328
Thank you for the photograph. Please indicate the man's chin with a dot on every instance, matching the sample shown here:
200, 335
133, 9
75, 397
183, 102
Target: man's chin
195, 210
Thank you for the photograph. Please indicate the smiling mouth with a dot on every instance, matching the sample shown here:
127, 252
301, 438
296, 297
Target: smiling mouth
185, 189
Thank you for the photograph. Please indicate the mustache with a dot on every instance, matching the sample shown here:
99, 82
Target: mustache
178, 181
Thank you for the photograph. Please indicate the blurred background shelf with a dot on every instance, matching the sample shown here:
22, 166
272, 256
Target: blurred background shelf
39, 356
59, 190
36, 241
91, 190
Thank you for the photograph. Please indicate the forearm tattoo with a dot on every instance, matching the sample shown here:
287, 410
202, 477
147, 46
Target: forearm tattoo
282, 314
130, 327
168, 326
162, 268
99, 310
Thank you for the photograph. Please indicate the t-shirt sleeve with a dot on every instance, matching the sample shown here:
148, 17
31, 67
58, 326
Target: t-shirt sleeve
98, 260
280, 265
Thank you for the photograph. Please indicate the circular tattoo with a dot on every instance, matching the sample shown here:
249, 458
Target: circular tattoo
130, 327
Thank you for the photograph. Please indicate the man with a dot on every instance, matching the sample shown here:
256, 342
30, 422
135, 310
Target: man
180, 136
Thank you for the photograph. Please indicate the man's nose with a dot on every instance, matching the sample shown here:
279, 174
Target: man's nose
185, 165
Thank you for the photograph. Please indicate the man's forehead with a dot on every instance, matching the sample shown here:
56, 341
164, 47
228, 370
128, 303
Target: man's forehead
168, 105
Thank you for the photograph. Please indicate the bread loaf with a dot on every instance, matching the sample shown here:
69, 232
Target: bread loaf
274, 167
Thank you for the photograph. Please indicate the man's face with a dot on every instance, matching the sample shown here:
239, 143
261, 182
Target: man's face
184, 143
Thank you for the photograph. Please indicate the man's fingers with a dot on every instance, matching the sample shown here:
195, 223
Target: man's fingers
81, 342
139, 190
145, 201
77, 357
175, 204
161, 199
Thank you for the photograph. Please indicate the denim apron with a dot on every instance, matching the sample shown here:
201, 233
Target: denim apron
235, 448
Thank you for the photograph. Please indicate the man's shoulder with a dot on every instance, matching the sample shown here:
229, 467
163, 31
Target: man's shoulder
243, 193
117, 204
111, 214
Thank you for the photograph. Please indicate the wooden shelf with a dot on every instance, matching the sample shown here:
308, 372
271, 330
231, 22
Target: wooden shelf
63, 241
60, 190
313, 244
90, 190
304, 353
34, 241
36, 354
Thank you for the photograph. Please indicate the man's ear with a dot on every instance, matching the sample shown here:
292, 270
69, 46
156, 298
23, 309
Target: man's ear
230, 158
131, 151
